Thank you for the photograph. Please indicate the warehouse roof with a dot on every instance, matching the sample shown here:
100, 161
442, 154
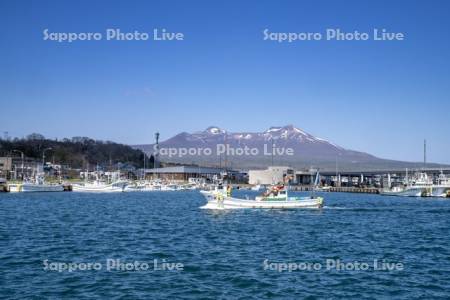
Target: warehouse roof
185, 169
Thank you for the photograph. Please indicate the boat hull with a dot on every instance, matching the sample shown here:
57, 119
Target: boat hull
142, 189
430, 191
93, 188
411, 192
27, 188
440, 191
236, 203
14, 188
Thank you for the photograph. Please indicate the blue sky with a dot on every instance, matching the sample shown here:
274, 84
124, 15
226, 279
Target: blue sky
380, 97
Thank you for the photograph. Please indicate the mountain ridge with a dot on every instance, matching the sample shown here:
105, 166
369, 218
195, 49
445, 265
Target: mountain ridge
308, 150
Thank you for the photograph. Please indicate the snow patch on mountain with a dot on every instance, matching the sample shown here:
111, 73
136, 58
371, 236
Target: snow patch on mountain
214, 130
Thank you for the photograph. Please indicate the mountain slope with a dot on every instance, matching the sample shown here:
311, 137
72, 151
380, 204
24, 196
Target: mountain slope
307, 150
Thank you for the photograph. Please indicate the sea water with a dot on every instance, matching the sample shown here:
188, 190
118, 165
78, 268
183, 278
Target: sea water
158, 245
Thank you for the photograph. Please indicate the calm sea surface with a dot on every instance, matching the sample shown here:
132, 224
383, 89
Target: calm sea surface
227, 254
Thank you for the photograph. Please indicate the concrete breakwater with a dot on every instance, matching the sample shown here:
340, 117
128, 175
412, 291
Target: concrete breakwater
308, 188
340, 189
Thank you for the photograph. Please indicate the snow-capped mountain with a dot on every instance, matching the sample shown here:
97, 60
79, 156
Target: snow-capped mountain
278, 135
307, 150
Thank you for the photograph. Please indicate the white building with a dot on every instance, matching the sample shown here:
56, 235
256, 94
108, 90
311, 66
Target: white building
271, 175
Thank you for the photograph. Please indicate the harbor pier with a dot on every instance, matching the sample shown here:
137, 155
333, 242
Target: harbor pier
363, 190
364, 181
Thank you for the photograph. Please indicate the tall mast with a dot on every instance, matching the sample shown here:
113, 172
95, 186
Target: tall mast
143, 171
156, 157
271, 152
424, 153
226, 154
156, 162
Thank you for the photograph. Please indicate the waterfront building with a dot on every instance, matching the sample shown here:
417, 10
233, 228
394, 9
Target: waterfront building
17, 168
272, 175
183, 173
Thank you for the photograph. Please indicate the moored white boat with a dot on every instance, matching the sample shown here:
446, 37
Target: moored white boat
410, 191
323, 189
37, 186
420, 186
442, 188
100, 187
143, 186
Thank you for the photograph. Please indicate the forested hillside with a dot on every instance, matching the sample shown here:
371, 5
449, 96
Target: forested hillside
76, 152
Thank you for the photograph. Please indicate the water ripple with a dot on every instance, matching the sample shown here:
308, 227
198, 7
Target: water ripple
222, 252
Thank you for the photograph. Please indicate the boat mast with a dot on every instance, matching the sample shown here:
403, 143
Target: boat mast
226, 152
143, 171
316, 184
271, 152
156, 156
424, 154
407, 177
338, 181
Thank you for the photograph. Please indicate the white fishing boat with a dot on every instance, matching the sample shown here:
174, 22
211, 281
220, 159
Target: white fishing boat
325, 188
420, 186
134, 187
38, 185
186, 187
442, 186
408, 191
158, 185
143, 186
169, 187
275, 198
100, 187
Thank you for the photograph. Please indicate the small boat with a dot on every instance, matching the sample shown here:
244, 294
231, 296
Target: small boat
420, 186
275, 198
100, 187
442, 188
189, 187
325, 188
38, 185
409, 191
134, 187
169, 187
143, 186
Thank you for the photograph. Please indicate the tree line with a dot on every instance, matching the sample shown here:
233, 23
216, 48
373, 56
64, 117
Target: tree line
77, 152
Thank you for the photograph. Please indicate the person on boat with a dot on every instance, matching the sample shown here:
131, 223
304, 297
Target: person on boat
277, 189
273, 191
229, 189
